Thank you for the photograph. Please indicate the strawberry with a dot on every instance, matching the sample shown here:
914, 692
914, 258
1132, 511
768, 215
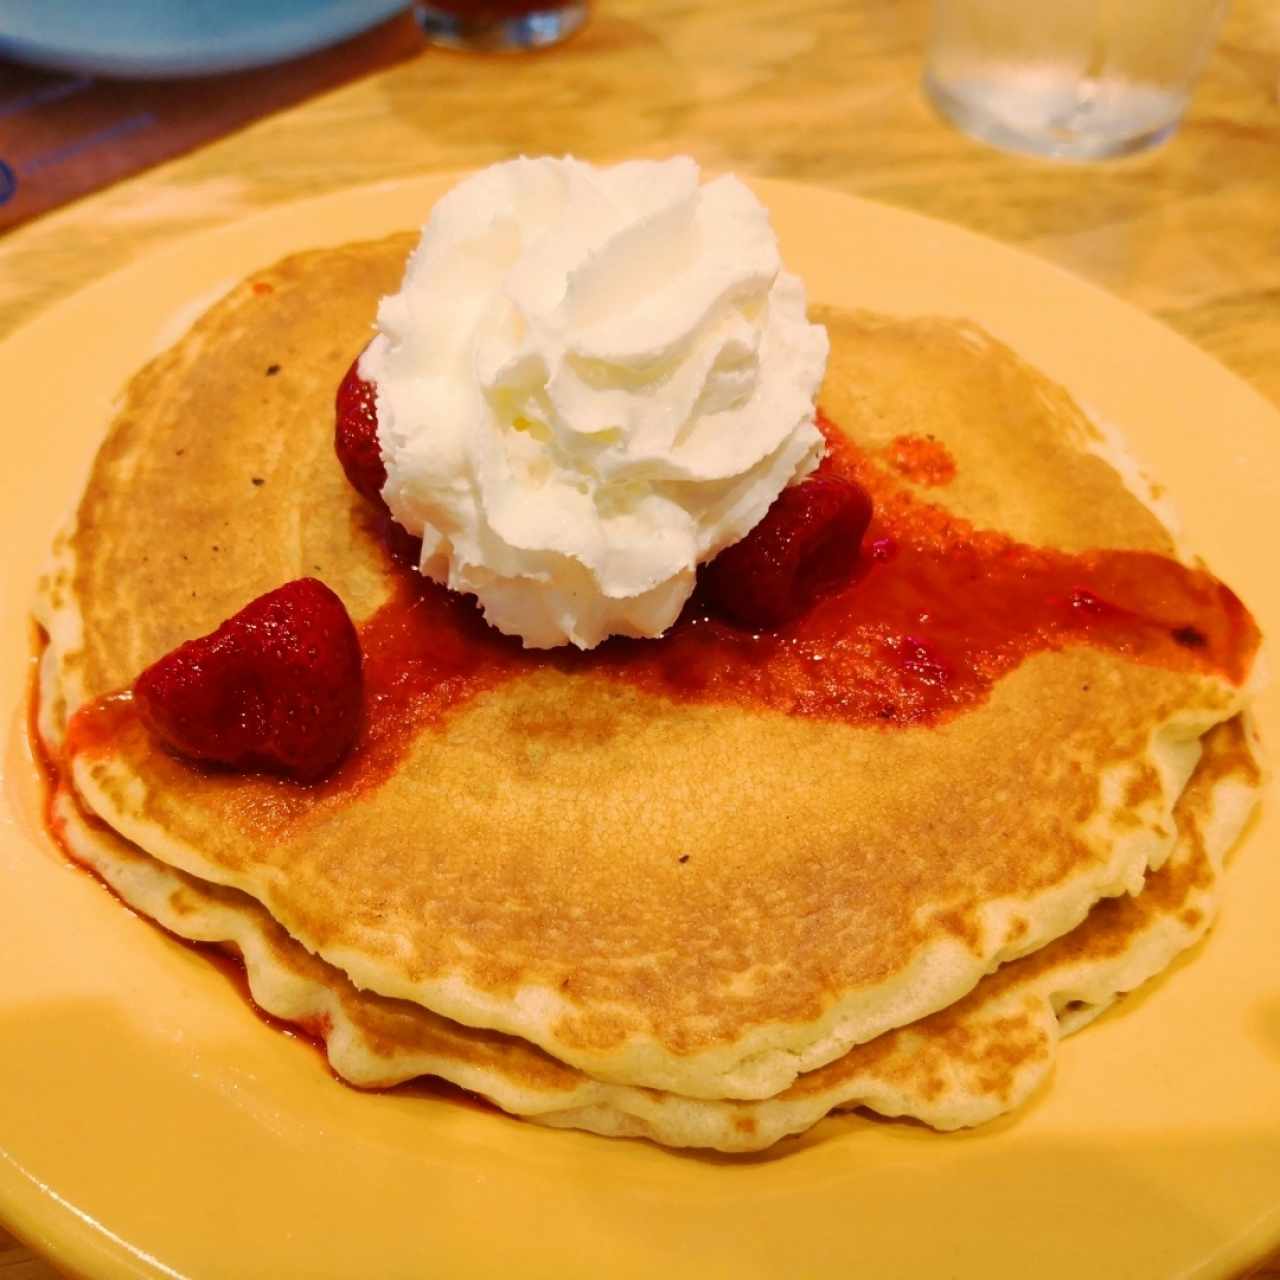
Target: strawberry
355, 440
277, 686
807, 542
355, 437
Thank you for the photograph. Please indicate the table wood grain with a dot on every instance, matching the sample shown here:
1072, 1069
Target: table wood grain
822, 91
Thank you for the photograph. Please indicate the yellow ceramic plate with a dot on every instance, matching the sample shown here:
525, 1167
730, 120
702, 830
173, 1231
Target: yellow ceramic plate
151, 1125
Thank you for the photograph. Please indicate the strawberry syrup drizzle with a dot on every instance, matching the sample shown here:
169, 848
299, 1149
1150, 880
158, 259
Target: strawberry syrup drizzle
935, 614
921, 459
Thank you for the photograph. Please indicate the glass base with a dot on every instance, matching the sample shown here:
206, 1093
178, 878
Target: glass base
1031, 115
497, 28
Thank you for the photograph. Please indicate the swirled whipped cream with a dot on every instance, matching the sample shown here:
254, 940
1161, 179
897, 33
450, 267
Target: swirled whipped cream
591, 381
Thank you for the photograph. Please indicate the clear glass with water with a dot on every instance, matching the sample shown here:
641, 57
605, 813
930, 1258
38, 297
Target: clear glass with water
1078, 79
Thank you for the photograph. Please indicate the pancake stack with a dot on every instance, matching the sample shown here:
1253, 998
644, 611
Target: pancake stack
615, 906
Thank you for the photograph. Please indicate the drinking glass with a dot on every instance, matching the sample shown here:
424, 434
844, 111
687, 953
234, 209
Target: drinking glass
500, 26
1077, 79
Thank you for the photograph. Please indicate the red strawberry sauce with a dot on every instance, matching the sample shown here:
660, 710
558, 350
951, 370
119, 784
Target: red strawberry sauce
936, 612
921, 459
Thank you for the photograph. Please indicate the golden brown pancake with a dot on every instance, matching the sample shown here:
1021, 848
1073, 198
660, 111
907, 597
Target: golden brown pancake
703, 898
964, 1065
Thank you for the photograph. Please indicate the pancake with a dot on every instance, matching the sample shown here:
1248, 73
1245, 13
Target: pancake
702, 896
965, 1065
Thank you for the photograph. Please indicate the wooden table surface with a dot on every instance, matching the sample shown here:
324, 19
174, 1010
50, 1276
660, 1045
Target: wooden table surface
823, 91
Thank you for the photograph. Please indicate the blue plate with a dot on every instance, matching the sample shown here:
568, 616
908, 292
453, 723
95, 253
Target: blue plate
151, 38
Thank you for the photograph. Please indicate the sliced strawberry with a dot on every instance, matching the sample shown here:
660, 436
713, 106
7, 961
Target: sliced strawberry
807, 542
277, 686
355, 440
355, 437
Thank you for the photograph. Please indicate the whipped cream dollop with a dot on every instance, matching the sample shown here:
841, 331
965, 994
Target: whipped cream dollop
591, 381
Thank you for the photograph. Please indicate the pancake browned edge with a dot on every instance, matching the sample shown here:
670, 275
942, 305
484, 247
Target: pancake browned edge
962, 1066
705, 899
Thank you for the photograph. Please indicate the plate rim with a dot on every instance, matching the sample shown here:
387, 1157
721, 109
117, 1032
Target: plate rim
33, 1211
